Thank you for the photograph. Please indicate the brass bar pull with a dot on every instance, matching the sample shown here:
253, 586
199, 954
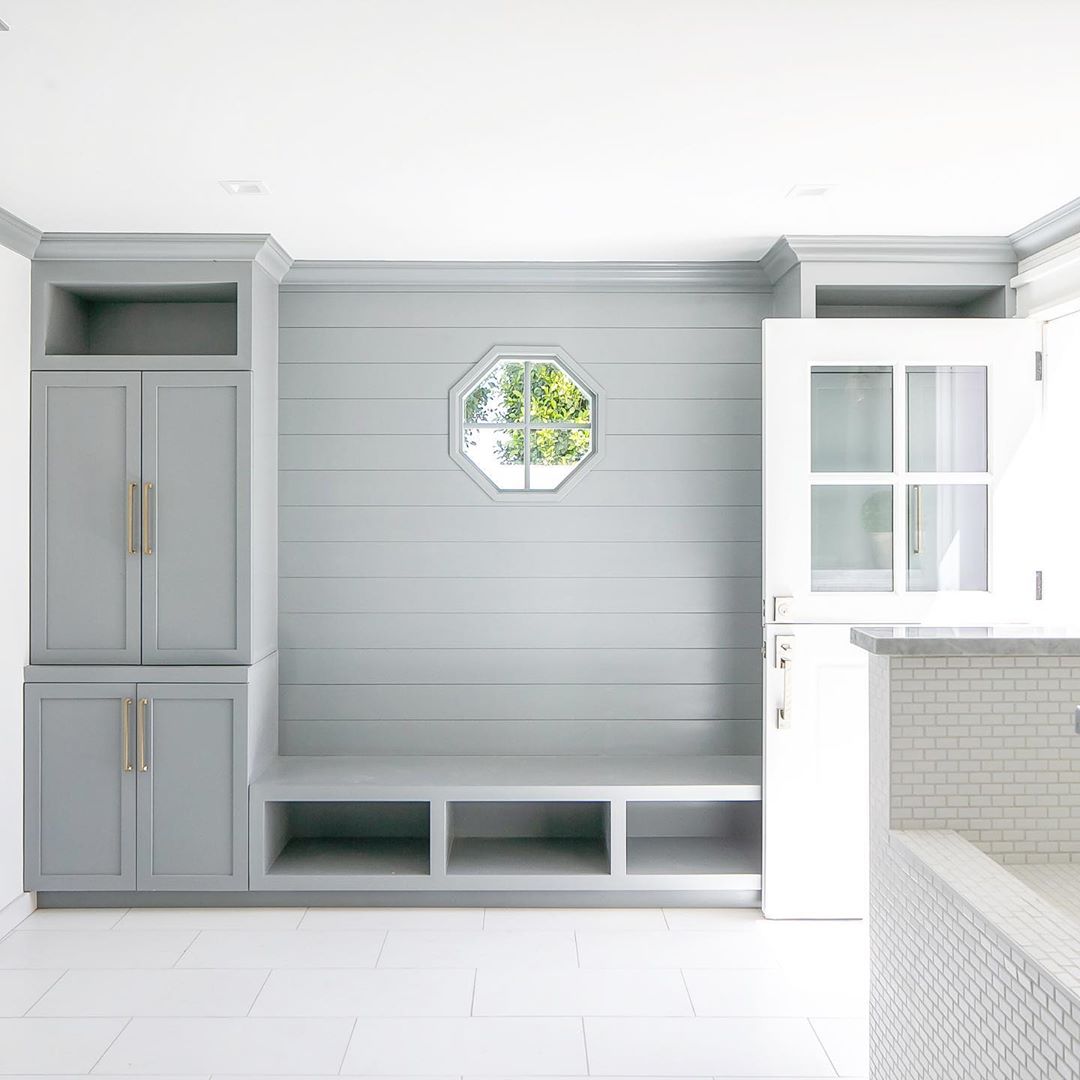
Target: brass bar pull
147, 549
919, 537
125, 718
132, 489
140, 734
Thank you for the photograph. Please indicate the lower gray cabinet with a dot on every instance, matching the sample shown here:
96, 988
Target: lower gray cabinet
136, 785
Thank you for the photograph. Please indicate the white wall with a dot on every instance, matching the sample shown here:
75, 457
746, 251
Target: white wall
14, 556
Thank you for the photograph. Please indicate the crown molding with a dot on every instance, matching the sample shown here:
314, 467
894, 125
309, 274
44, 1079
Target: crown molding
1047, 283
533, 276
1047, 231
938, 249
778, 260
259, 248
16, 234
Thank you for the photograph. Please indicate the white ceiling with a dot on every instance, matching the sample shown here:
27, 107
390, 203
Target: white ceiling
538, 129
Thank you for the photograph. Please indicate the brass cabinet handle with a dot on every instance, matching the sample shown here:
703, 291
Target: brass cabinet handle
918, 546
147, 488
140, 734
132, 489
125, 718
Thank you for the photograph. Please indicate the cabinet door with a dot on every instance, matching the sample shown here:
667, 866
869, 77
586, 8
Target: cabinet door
816, 775
84, 523
192, 789
80, 786
196, 487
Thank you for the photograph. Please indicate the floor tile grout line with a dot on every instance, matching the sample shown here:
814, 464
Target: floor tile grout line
472, 1000
112, 1043
689, 996
382, 946
585, 1047
175, 964
258, 993
824, 1048
348, 1044
577, 949
37, 1001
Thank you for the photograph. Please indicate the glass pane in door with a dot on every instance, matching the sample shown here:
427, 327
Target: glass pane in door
851, 419
851, 538
947, 538
947, 419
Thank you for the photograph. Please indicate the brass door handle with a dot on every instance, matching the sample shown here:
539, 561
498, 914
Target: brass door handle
125, 723
147, 548
132, 489
140, 734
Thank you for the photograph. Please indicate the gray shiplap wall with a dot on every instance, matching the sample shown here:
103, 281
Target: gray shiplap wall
419, 616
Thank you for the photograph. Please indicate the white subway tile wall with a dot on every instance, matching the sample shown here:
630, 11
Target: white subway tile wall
986, 746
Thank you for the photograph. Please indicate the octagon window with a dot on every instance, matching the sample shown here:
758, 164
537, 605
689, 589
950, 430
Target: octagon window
524, 422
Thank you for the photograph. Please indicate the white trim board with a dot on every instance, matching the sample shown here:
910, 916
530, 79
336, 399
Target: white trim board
22, 907
1048, 283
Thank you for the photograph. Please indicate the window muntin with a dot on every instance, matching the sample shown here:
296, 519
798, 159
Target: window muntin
527, 423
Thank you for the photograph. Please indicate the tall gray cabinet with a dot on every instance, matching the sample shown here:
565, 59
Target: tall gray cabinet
151, 696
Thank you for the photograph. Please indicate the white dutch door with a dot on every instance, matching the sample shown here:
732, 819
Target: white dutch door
900, 486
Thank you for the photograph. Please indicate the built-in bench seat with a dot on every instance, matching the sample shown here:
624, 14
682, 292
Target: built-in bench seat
496, 823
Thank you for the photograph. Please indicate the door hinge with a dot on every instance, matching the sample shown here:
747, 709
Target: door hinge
1038, 367
1038, 585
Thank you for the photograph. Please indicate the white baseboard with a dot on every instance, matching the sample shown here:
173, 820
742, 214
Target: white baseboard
14, 913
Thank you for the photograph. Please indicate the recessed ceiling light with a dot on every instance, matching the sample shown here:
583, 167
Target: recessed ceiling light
244, 187
810, 191
4, 25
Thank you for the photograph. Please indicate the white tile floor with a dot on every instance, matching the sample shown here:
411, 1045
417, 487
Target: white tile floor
431, 993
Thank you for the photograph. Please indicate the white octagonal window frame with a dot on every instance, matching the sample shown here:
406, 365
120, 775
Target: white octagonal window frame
528, 356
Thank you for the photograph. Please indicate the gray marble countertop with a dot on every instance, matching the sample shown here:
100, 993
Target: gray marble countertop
967, 640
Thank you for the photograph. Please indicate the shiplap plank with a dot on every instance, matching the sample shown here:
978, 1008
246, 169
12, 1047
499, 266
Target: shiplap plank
457, 345
659, 381
454, 488
348, 630
623, 453
525, 310
500, 522
429, 416
510, 666
513, 737
498, 559
620, 701
532, 595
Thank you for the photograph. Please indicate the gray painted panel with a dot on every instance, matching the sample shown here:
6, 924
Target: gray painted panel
197, 454
556, 737
79, 801
84, 457
540, 631
661, 381
524, 666
632, 702
533, 595
439, 488
499, 560
443, 344
432, 618
623, 452
498, 522
403, 416
525, 310
193, 796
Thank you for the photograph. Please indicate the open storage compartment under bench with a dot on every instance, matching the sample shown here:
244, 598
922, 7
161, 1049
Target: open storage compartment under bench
490, 824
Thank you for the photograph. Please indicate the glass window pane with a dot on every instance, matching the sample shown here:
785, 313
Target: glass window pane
555, 397
499, 398
851, 538
499, 453
947, 537
947, 419
554, 454
851, 419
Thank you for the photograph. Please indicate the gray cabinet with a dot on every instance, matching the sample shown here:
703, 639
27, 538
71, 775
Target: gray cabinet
196, 467
85, 475
136, 785
80, 786
141, 493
